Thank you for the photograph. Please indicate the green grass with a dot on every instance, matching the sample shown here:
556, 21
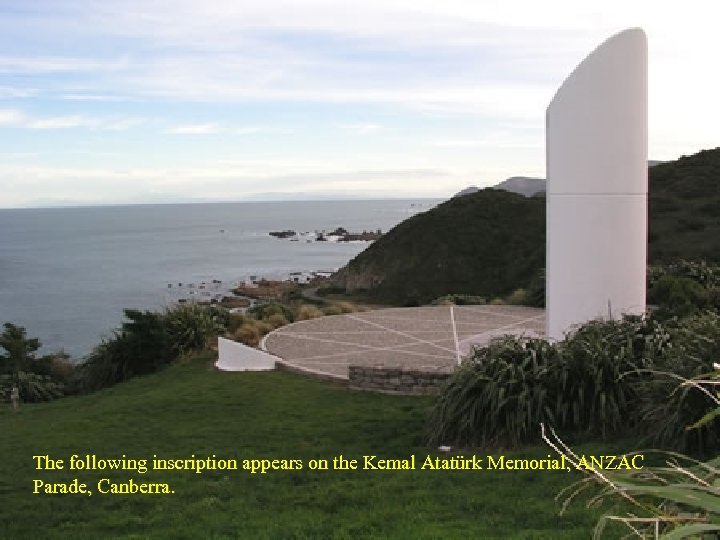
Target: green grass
191, 408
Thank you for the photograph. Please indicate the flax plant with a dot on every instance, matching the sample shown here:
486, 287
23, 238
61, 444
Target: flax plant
672, 502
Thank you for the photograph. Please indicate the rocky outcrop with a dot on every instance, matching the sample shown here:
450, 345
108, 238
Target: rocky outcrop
283, 234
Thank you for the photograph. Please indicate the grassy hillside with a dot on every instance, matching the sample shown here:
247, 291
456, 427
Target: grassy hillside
192, 409
484, 243
491, 242
684, 204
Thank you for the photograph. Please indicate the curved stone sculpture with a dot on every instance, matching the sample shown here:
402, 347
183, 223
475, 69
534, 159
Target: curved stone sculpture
596, 144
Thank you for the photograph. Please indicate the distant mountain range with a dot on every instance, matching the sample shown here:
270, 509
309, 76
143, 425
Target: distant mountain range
522, 185
525, 185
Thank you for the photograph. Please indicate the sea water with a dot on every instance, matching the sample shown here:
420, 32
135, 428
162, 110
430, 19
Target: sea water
66, 274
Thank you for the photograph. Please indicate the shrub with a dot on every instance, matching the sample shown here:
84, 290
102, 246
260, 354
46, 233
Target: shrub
536, 289
276, 320
293, 295
595, 382
106, 365
189, 326
32, 387
142, 345
19, 349
677, 295
60, 369
347, 307
236, 321
518, 297
332, 289
332, 310
669, 405
459, 300
677, 501
307, 311
712, 298
497, 397
249, 334
148, 341
263, 311
38, 379
263, 327
590, 382
706, 275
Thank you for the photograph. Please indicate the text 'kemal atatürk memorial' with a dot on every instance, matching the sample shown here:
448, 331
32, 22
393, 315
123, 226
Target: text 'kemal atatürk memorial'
596, 144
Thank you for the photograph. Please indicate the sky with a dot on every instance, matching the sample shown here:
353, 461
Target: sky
142, 101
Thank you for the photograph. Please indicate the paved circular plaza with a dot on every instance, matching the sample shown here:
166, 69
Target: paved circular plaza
412, 338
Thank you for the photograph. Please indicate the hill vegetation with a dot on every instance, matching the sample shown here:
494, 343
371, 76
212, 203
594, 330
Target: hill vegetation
684, 207
484, 243
491, 242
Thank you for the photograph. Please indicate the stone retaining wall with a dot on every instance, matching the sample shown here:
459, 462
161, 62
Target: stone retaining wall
395, 380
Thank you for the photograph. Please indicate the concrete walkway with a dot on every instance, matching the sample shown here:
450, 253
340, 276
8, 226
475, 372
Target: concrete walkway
413, 338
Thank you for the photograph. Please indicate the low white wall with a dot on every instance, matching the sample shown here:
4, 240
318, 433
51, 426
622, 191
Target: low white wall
234, 356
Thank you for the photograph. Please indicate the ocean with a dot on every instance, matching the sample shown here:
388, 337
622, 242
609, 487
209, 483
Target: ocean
66, 274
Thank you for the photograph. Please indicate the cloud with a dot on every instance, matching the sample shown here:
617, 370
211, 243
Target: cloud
456, 57
13, 92
213, 128
59, 64
61, 122
95, 97
455, 86
401, 53
11, 117
15, 118
209, 128
231, 181
363, 129
255, 130
121, 124
498, 139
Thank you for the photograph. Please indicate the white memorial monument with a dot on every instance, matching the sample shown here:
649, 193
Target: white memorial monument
596, 143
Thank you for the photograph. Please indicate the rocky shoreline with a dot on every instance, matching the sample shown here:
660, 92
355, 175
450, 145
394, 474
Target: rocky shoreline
338, 235
240, 295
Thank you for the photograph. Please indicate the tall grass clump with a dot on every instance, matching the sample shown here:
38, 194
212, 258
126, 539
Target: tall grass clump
670, 404
519, 297
676, 501
590, 383
536, 289
189, 326
248, 334
306, 312
459, 300
276, 320
148, 341
348, 307
595, 383
497, 397
265, 311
